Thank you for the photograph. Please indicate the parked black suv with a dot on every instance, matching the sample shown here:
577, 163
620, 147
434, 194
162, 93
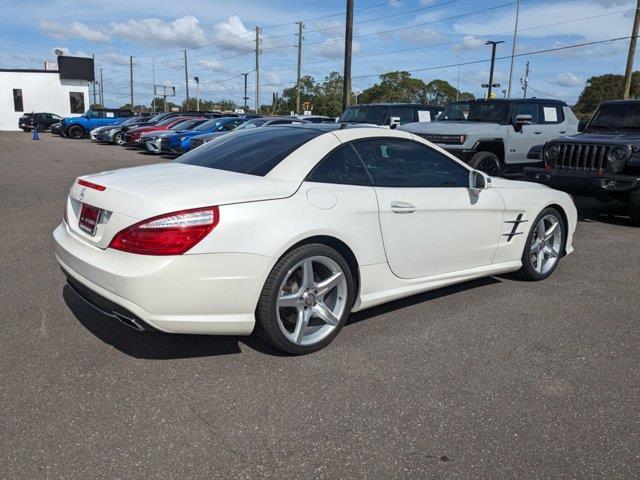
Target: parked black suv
389, 114
602, 161
43, 120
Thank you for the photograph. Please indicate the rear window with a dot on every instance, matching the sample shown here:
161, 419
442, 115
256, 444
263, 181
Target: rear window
255, 151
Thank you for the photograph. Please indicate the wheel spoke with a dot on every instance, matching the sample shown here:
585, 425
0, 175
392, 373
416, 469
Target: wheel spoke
540, 261
323, 312
535, 246
550, 231
307, 274
288, 300
551, 252
301, 324
325, 286
540, 229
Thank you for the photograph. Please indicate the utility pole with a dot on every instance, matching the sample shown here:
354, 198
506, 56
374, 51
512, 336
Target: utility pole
131, 79
628, 73
513, 48
93, 56
101, 89
458, 82
525, 79
245, 98
348, 40
300, 27
493, 64
153, 73
186, 81
258, 30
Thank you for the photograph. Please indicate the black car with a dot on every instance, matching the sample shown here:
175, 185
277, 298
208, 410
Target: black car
602, 161
43, 120
389, 114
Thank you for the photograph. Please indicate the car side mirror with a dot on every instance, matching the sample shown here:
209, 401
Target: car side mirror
523, 119
394, 122
478, 181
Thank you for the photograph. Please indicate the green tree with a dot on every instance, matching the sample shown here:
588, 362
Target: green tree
441, 92
605, 87
394, 87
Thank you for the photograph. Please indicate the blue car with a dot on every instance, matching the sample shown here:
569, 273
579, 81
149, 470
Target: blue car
178, 143
78, 127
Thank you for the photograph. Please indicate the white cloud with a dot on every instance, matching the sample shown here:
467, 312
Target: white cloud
501, 21
567, 79
469, 42
426, 3
328, 28
423, 35
233, 35
212, 65
73, 30
183, 32
116, 58
333, 48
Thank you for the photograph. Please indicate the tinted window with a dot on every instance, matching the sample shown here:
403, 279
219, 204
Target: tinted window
617, 116
76, 102
405, 114
255, 152
525, 109
491, 111
17, 100
253, 124
365, 114
341, 166
403, 163
551, 114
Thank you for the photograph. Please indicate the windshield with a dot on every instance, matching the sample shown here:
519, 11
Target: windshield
252, 152
364, 114
209, 125
476, 111
131, 120
620, 116
252, 124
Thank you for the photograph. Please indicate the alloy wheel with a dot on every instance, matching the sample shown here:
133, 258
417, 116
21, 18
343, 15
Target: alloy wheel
311, 301
488, 166
546, 243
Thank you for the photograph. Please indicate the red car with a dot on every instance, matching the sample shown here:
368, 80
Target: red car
132, 137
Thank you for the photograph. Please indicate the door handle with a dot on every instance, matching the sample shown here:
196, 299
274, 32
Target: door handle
402, 207
537, 133
563, 131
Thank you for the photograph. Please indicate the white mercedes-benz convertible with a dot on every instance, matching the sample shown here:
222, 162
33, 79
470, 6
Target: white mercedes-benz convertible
287, 230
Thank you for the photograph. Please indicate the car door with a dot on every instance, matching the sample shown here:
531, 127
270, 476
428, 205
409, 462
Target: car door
520, 139
430, 220
552, 121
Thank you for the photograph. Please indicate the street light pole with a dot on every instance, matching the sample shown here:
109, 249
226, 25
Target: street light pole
513, 48
493, 44
197, 79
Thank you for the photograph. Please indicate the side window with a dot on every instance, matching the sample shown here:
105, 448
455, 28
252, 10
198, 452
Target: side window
526, 109
341, 166
551, 114
76, 101
17, 100
281, 122
404, 163
404, 113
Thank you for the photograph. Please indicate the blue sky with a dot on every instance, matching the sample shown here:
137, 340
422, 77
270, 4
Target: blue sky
428, 36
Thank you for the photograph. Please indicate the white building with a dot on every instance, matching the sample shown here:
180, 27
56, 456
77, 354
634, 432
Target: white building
30, 90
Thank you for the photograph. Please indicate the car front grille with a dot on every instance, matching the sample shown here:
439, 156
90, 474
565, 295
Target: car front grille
582, 156
165, 144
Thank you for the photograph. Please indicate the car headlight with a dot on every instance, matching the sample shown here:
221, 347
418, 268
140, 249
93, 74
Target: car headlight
617, 158
552, 152
182, 139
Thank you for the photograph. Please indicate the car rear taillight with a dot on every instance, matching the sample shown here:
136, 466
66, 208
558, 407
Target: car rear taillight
169, 234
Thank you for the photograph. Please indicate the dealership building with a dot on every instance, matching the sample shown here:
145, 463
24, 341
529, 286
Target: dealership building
63, 90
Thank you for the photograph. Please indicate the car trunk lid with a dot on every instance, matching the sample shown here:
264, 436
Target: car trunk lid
129, 195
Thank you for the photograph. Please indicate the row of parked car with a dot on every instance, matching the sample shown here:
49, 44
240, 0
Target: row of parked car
538, 139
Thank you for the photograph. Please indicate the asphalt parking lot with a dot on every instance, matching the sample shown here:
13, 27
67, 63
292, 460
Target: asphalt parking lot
495, 378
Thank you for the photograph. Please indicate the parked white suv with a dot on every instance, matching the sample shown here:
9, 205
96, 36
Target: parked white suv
495, 136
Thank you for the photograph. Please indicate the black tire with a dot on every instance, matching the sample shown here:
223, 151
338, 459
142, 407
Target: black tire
634, 207
266, 317
528, 271
26, 129
118, 138
487, 162
75, 131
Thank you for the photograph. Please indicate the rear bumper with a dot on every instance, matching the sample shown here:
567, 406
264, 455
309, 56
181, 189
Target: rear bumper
213, 293
586, 183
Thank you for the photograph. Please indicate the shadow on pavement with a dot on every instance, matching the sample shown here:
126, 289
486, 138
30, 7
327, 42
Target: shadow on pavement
592, 210
157, 345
